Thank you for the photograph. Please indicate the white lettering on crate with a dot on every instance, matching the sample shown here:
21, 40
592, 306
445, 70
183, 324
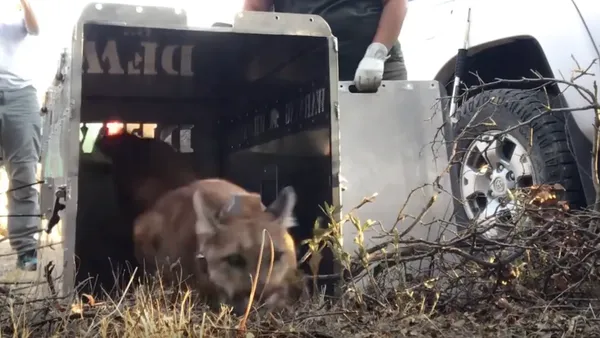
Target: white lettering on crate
146, 130
296, 111
144, 61
310, 105
274, 119
259, 124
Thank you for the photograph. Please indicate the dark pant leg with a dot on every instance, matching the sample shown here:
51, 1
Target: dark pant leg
395, 68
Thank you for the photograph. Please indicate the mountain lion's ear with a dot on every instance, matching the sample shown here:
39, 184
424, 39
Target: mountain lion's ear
233, 208
283, 207
204, 226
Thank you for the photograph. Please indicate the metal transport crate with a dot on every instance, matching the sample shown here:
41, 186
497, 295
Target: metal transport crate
257, 103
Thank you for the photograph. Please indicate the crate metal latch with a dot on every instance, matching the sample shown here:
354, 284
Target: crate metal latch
59, 205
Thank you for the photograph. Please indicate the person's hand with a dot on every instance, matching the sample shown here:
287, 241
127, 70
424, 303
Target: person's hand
369, 73
23, 4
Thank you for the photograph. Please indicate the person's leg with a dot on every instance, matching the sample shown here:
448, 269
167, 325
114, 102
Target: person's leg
347, 67
20, 134
395, 68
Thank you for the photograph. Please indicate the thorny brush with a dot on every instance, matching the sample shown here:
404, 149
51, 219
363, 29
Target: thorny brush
546, 261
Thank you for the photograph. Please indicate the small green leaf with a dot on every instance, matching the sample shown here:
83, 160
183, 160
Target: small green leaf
319, 234
368, 224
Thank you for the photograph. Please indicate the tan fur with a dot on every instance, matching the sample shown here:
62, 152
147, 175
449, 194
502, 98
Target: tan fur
180, 225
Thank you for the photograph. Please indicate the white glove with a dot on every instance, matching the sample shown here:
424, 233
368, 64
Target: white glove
369, 73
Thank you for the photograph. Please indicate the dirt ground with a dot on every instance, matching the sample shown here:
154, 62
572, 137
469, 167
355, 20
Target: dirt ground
16, 280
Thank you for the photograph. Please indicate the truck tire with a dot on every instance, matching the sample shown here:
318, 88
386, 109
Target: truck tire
488, 162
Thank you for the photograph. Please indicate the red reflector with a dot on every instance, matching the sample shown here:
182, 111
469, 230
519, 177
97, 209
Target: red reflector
114, 128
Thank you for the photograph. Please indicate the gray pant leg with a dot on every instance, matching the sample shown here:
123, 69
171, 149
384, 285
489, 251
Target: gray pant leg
395, 68
20, 133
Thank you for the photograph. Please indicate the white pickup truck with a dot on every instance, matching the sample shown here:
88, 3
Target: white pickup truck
509, 40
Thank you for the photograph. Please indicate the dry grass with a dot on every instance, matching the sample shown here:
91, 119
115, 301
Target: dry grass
161, 313
540, 280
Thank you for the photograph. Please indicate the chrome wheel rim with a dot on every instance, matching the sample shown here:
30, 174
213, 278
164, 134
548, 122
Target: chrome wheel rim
493, 165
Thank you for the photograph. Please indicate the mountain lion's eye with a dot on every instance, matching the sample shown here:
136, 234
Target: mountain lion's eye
277, 256
236, 260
